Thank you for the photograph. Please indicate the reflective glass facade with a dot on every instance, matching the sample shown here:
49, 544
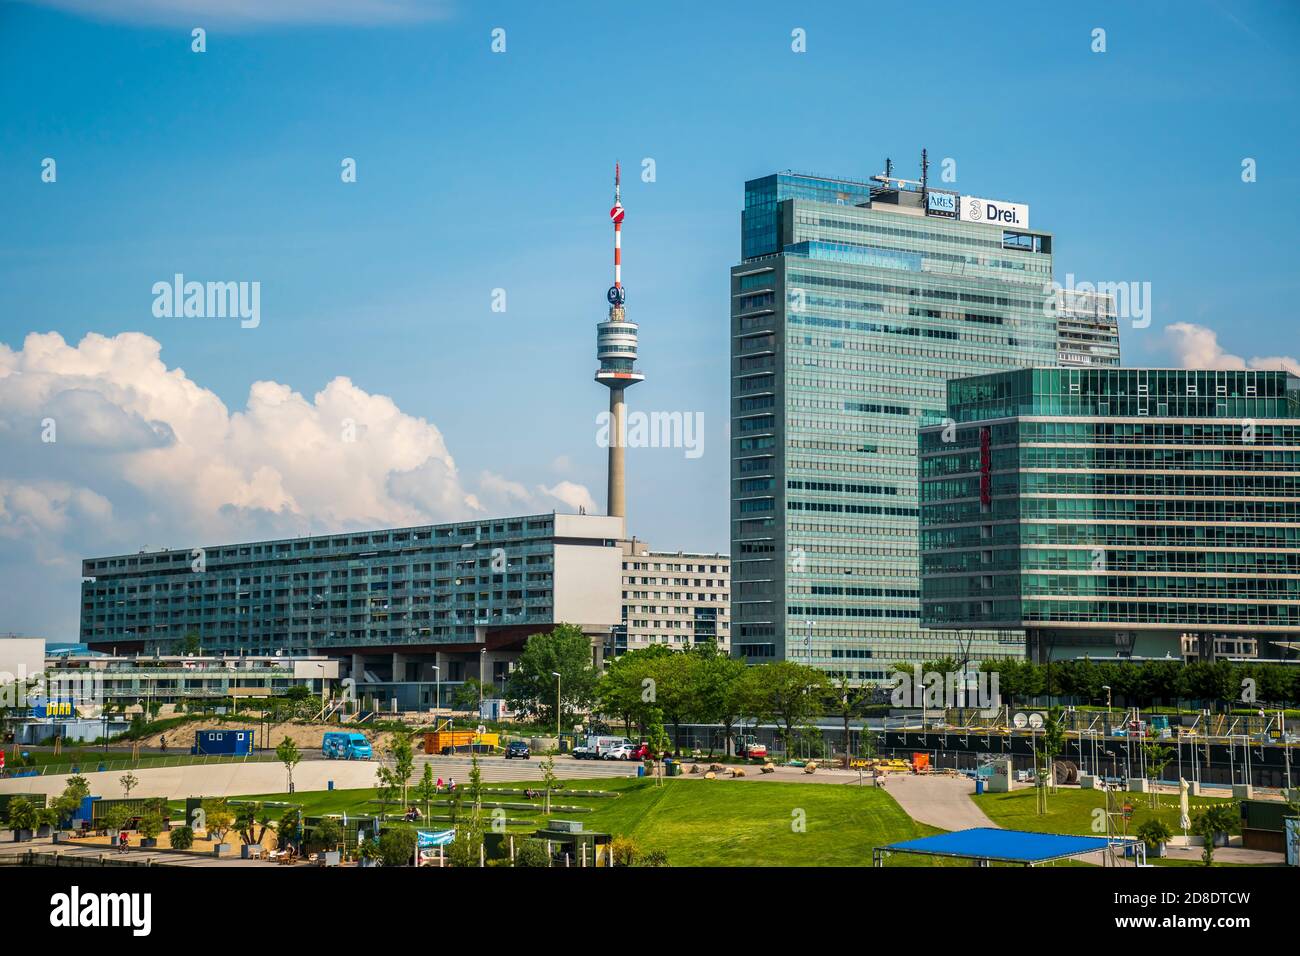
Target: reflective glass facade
850, 311
1105, 509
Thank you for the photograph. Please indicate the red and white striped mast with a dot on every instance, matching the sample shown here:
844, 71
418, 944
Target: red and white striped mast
616, 214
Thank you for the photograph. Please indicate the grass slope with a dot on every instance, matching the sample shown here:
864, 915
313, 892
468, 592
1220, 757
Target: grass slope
712, 822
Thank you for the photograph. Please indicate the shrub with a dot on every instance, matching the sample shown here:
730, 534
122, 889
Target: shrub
326, 835
532, 853
182, 838
1153, 832
151, 824
397, 846
22, 814
655, 858
286, 831
625, 851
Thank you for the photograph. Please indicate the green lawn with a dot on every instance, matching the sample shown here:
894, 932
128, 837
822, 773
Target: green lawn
1072, 811
708, 822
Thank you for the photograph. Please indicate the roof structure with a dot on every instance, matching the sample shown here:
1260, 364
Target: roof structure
988, 844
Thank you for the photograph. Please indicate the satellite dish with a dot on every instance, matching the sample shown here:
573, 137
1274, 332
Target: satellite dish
1036, 721
1019, 720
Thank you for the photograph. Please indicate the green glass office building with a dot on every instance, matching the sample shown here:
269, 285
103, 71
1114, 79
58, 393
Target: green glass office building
853, 304
1116, 512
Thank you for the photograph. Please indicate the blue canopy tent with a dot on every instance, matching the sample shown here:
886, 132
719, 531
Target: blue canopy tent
985, 845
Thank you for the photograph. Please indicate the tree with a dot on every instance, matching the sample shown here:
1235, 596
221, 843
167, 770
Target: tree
719, 687
218, 819
845, 700
287, 753
69, 802
191, 643
397, 777
326, 835
287, 830
151, 824
468, 694
550, 782
658, 742
531, 686
426, 789
675, 688
252, 821
129, 782
1157, 758
790, 694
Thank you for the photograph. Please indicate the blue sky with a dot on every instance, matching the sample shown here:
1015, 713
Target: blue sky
479, 170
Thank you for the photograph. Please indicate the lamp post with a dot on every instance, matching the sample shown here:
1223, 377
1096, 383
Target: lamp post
482, 657
556, 675
437, 692
1106, 688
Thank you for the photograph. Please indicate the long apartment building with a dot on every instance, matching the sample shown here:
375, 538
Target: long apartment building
431, 604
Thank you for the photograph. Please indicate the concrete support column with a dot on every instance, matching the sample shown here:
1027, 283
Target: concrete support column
616, 505
358, 672
399, 667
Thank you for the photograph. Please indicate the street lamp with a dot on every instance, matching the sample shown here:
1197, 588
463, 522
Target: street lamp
482, 657
556, 675
1106, 688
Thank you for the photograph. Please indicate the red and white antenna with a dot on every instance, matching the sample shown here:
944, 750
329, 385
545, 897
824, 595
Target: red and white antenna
617, 296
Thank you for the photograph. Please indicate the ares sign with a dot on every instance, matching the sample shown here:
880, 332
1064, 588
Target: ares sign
941, 204
994, 212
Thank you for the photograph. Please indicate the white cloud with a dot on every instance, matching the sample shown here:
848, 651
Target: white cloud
1195, 346
231, 13
145, 456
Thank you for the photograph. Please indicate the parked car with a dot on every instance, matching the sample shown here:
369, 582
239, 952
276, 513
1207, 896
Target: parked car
517, 748
622, 752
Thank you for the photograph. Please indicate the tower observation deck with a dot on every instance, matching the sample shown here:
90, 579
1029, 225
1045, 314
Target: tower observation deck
616, 345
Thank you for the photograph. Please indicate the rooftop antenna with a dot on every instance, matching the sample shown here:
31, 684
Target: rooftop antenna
925, 173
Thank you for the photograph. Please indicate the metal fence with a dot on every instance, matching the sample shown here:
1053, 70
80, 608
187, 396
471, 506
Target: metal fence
144, 762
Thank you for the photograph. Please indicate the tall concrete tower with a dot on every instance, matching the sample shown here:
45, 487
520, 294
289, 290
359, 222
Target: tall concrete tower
616, 350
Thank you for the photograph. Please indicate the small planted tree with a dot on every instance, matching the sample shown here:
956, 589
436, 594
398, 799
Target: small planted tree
1157, 758
426, 789
287, 753
182, 838
549, 782
129, 782
219, 819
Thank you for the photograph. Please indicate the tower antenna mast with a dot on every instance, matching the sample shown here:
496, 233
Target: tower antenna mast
616, 348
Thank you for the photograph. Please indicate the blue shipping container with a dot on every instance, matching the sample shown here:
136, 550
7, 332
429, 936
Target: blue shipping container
238, 743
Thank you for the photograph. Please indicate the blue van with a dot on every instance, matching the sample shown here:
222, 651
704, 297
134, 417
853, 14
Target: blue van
345, 746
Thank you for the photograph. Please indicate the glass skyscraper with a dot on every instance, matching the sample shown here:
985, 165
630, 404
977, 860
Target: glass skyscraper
852, 306
1116, 512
